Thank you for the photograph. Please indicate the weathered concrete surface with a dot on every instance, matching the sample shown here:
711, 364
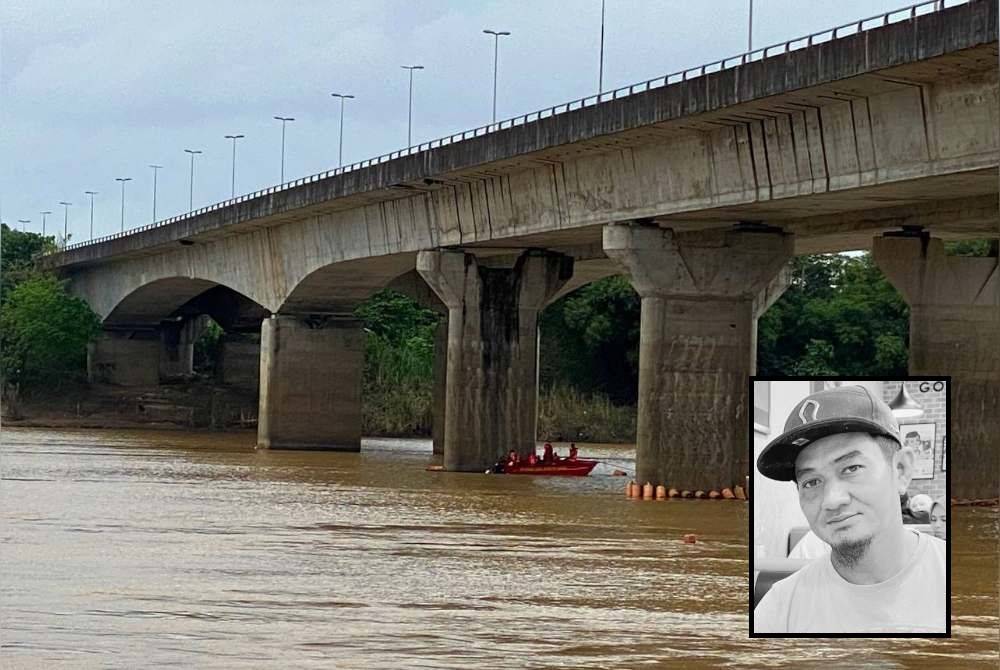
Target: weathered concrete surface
125, 358
696, 346
955, 330
493, 307
310, 384
440, 396
239, 361
177, 340
833, 86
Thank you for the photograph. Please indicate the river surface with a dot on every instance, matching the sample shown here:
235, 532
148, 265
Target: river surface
156, 549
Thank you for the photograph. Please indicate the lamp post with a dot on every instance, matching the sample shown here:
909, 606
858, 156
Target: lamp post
65, 221
123, 180
91, 194
193, 152
156, 168
284, 120
340, 150
409, 117
234, 138
44, 214
496, 54
600, 66
750, 29
24, 223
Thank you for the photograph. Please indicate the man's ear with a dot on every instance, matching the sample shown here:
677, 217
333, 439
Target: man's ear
902, 464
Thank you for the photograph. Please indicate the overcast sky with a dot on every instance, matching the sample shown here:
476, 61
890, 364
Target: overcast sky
94, 90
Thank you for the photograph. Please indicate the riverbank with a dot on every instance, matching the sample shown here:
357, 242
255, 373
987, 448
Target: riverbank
564, 415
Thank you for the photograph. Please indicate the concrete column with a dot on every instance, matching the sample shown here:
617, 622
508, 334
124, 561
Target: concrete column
239, 361
701, 294
125, 358
310, 383
955, 330
439, 396
177, 340
493, 307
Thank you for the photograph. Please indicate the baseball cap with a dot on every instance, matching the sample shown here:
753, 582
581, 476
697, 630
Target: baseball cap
921, 503
845, 409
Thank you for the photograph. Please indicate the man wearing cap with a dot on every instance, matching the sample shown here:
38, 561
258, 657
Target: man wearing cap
841, 448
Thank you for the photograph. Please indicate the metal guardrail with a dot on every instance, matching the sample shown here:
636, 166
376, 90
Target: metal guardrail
895, 16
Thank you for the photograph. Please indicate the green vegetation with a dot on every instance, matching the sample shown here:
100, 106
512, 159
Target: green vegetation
399, 365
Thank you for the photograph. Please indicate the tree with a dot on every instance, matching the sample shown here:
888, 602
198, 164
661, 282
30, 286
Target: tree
840, 316
44, 333
17, 252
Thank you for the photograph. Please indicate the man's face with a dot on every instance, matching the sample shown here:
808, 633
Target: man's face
912, 443
848, 490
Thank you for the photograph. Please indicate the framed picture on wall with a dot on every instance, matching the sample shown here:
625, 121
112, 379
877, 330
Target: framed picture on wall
920, 438
944, 453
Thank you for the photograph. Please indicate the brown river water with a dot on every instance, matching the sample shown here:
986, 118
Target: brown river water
154, 549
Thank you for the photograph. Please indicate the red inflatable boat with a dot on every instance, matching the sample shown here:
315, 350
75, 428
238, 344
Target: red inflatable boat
564, 467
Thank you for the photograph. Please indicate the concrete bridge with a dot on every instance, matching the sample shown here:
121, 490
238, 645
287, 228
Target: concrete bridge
700, 189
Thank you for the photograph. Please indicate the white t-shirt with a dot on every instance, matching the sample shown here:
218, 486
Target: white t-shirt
810, 546
816, 599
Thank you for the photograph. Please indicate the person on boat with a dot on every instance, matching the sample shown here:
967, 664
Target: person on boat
572, 451
532, 459
547, 453
512, 458
842, 451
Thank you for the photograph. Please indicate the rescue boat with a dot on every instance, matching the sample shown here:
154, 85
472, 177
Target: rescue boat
564, 467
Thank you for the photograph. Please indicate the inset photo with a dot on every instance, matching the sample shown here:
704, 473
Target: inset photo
849, 508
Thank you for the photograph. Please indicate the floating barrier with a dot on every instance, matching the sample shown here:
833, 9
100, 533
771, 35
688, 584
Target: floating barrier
690, 538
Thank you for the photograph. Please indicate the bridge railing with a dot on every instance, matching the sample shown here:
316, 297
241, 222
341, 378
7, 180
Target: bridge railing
854, 27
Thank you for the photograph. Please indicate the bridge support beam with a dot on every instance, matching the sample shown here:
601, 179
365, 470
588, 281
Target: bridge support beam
310, 383
177, 340
440, 392
701, 293
954, 330
493, 307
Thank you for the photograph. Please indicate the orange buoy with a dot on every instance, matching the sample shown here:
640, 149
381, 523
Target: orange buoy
628, 490
647, 491
673, 493
661, 492
727, 494
740, 495
699, 494
714, 495
690, 538
686, 494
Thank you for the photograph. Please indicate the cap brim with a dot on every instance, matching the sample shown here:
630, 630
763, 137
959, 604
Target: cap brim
777, 461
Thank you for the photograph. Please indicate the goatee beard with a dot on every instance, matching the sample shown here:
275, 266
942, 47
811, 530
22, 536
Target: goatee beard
849, 554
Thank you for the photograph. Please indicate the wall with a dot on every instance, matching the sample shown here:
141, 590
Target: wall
935, 412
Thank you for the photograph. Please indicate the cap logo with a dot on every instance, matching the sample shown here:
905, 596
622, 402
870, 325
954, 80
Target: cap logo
804, 410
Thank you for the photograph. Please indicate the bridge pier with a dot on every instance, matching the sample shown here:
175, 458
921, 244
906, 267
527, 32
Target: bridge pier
239, 361
701, 293
954, 330
493, 305
125, 357
310, 383
177, 340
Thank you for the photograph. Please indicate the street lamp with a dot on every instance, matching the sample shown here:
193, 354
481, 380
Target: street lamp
600, 67
91, 194
284, 120
234, 138
156, 168
409, 117
496, 53
193, 153
24, 223
65, 221
44, 214
123, 180
340, 152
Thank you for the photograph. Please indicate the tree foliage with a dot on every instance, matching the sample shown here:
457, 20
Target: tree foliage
840, 316
44, 333
17, 251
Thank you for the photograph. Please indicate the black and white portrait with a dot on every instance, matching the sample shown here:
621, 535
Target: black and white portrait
842, 535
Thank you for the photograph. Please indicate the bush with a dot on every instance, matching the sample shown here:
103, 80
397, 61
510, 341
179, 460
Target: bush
44, 333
